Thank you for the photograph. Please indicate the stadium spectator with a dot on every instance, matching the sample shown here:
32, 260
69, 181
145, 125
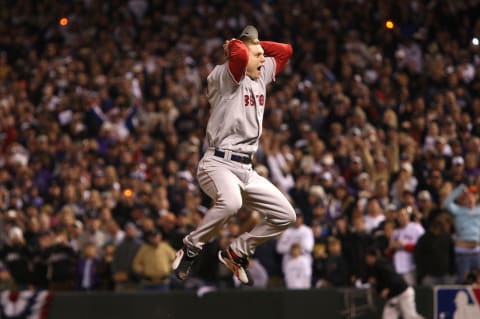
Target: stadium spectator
404, 239
462, 203
16, 257
152, 263
89, 276
297, 269
374, 215
427, 209
354, 247
122, 264
61, 263
298, 233
434, 255
335, 268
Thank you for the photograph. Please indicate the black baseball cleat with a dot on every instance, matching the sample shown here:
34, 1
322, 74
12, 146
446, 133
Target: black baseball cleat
183, 262
238, 265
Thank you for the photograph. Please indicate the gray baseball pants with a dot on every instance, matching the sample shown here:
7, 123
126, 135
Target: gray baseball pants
232, 185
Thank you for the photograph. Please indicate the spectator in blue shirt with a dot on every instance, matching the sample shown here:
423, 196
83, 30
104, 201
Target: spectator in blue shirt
462, 202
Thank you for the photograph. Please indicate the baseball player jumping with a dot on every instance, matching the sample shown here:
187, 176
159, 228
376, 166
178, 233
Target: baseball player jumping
237, 96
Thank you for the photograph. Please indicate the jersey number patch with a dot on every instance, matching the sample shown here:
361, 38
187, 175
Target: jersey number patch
250, 100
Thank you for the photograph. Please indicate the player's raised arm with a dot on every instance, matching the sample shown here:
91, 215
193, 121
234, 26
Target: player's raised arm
281, 52
237, 54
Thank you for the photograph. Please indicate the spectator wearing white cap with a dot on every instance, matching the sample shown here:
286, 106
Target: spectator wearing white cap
326, 180
426, 208
328, 162
456, 174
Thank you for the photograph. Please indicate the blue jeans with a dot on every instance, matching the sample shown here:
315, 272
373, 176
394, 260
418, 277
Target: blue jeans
466, 262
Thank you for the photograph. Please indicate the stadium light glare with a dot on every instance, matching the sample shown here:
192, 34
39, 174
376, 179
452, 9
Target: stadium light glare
63, 21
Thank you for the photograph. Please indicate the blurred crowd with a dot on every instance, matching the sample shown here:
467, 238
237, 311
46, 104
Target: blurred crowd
369, 131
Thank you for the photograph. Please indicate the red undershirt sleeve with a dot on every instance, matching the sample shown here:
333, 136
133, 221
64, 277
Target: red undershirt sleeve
281, 52
237, 59
409, 247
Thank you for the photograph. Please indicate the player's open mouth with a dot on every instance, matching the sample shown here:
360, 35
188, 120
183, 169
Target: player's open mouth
259, 68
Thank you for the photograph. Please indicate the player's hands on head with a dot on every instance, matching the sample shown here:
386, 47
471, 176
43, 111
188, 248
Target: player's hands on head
226, 50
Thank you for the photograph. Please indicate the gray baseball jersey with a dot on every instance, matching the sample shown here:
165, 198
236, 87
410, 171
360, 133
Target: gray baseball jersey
237, 108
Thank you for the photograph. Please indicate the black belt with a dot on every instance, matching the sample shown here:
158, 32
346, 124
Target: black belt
233, 157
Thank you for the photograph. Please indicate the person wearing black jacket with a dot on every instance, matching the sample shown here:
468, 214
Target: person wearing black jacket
434, 253
399, 296
354, 247
61, 263
16, 257
122, 263
39, 260
335, 265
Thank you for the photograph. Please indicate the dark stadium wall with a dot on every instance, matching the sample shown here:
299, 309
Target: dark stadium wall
234, 304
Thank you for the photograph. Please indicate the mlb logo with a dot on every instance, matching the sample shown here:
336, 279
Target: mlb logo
457, 302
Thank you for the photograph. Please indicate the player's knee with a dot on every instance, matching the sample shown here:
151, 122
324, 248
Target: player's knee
230, 206
288, 217
291, 216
